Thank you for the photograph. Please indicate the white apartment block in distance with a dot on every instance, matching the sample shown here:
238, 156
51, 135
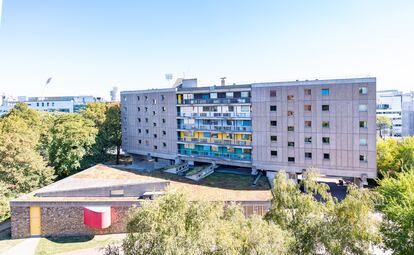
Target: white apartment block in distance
325, 124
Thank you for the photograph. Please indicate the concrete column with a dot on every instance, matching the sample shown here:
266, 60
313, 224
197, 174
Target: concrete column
358, 182
254, 171
190, 162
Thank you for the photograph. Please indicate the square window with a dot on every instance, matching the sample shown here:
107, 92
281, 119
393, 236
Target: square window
363, 124
308, 155
273, 138
291, 128
363, 90
163, 120
272, 93
326, 140
308, 123
230, 108
325, 107
163, 109
308, 107
153, 113
291, 144
326, 156
154, 124
273, 108
273, 153
139, 130
307, 92
325, 92
139, 141
290, 97
273, 123
146, 98
162, 97
139, 109
146, 120
155, 135
164, 144
139, 119
325, 124
146, 131
363, 158
146, 109
138, 98
155, 147
154, 101
308, 140
291, 159
362, 141
164, 132
290, 113
363, 108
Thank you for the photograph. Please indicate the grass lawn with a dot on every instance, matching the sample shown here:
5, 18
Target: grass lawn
56, 245
7, 244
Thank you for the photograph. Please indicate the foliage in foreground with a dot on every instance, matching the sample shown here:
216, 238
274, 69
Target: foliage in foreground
173, 225
325, 225
395, 156
397, 205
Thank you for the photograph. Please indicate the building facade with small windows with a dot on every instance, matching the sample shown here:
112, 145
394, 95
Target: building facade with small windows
324, 124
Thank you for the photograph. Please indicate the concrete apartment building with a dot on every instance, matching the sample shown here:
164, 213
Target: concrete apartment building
324, 124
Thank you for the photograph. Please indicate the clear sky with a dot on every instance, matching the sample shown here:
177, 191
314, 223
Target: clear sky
88, 46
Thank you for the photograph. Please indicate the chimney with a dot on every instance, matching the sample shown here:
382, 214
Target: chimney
223, 81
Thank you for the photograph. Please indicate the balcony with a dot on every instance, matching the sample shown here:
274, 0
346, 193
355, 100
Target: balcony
215, 141
212, 154
245, 100
215, 115
216, 128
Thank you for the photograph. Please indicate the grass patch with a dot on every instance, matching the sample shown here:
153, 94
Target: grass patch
56, 245
7, 244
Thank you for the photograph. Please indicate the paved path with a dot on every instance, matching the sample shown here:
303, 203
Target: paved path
26, 247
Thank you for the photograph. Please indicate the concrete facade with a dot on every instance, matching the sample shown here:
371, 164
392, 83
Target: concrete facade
265, 126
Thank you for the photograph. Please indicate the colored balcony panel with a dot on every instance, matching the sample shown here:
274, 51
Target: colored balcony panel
98, 217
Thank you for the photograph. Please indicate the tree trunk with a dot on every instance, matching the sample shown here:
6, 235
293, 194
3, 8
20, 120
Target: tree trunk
118, 152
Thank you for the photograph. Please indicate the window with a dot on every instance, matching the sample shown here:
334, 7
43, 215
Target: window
164, 144
163, 109
146, 131
138, 98
291, 144
308, 107
155, 135
146, 98
273, 153
163, 120
363, 108
154, 124
146, 109
291, 128
272, 93
307, 92
164, 132
308, 140
139, 130
155, 147
326, 156
291, 159
290, 113
325, 107
326, 140
273, 138
362, 141
146, 142
363, 90
308, 155
154, 101
146, 120
363, 158
273, 108
117, 193
363, 124
139, 109
139, 141
308, 123
273, 123
325, 124
290, 97
139, 120
162, 97
245, 108
230, 108
325, 92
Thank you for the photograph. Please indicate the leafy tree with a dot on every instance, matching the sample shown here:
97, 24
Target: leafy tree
174, 225
387, 156
22, 168
383, 123
397, 205
405, 154
111, 129
320, 223
72, 137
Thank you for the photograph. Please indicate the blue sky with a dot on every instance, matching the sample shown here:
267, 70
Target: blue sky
88, 46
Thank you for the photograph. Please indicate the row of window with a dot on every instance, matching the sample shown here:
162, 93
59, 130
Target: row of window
155, 146
153, 112
154, 123
154, 101
325, 108
324, 92
308, 155
308, 140
164, 133
308, 124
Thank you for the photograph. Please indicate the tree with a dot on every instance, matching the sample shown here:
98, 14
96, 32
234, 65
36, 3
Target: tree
320, 223
405, 154
174, 225
22, 168
397, 205
111, 129
387, 156
72, 137
383, 123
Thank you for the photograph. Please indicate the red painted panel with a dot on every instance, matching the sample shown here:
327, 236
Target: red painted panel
97, 217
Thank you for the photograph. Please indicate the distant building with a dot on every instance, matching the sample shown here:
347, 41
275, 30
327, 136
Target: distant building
399, 107
291, 126
67, 104
114, 94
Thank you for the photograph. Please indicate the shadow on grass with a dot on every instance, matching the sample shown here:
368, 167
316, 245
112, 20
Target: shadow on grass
70, 239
